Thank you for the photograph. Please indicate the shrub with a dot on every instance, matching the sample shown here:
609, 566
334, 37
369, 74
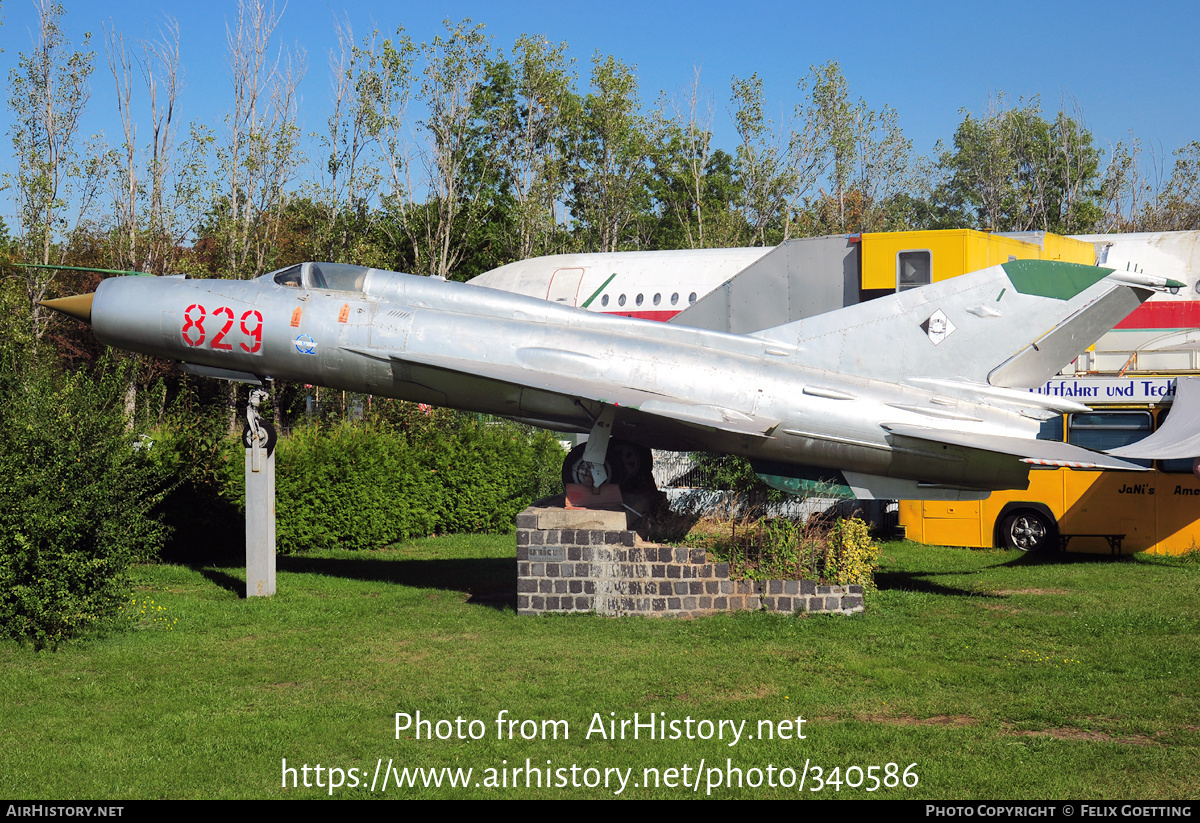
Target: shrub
854, 556
366, 485
349, 487
487, 471
75, 507
196, 451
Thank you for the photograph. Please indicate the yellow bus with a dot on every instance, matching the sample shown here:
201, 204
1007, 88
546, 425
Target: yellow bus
1078, 510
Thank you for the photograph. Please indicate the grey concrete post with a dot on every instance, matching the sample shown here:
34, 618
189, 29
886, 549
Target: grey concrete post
260, 523
260, 502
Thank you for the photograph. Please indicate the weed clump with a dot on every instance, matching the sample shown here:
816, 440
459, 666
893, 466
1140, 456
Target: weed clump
840, 552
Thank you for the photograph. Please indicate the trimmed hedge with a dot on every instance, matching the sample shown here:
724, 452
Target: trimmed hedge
364, 486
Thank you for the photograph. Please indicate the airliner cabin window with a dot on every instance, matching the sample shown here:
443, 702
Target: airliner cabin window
913, 269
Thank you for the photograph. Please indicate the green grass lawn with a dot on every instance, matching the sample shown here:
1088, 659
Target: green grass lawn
996, 675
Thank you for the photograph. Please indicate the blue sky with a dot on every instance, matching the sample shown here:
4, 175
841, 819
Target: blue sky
1129, 66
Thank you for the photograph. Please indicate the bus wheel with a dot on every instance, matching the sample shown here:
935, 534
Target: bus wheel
1027, 530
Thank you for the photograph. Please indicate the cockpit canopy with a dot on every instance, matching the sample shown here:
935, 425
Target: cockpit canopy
323, 276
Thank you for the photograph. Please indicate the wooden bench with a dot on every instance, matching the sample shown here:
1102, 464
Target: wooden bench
1114, 541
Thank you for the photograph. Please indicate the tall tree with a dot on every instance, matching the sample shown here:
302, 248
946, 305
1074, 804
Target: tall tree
126, 185
1128, 190
261, 152
147, 231
682, 139
455, 168
170, 214
48, 92
525, 104
608, 159
369, 149
776, 167
1177, 208
351, 175
863, 155
765, 172
1015, 171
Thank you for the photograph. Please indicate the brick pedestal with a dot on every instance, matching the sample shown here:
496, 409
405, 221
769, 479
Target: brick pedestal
588, 561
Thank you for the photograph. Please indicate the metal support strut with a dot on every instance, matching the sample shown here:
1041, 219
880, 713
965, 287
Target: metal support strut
259, 440
597, 446
257, 434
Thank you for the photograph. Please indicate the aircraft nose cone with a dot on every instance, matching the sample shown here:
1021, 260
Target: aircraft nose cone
78, 306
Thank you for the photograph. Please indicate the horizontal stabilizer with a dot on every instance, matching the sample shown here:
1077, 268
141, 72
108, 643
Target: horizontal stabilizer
1177, 438
999, 396
1035, 452
874, 487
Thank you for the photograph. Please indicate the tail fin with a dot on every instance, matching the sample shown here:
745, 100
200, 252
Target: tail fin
1012, 325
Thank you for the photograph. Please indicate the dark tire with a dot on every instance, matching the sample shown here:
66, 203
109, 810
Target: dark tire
248, 436
1028, 531
633, 464
628, 465
574, 470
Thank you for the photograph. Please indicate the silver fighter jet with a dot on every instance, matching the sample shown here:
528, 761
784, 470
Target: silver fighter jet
917, 395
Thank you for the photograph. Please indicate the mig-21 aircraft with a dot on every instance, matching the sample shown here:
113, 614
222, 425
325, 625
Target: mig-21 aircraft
922, 394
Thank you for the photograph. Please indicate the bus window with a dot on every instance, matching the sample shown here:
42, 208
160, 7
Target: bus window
1052, 429
1180, 465
1101, 431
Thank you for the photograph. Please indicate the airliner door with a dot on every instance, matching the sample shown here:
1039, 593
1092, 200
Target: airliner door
564, 287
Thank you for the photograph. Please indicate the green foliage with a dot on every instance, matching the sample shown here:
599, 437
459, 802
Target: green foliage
1177, 207
1013, 170
75, 507
364, 486
196, 450
854, 554
735, 474
843, 553
608, 166
486, 473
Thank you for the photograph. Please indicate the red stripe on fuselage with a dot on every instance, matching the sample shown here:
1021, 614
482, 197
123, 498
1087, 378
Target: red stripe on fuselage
1164, 314
661, 316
